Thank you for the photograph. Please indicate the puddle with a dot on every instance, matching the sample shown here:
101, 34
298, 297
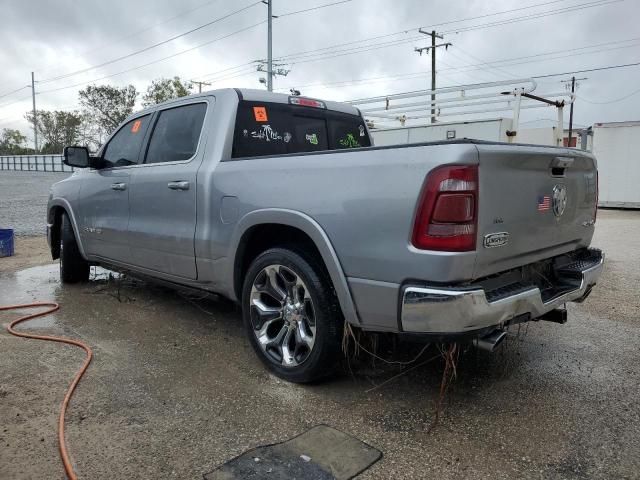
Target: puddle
40, 284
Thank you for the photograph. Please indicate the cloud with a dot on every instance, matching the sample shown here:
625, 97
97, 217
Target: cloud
54, 38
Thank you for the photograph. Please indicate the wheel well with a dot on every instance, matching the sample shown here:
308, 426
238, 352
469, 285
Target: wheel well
56, 212
262, 237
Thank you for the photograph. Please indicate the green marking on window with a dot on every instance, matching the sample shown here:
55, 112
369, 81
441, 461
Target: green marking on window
349, 141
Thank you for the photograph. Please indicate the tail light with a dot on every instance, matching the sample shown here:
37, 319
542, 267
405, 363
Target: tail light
447, 214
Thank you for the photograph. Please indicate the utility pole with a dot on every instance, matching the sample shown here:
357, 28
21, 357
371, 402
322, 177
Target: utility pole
269, 4
35, 119
433, 48
200, 84
268, 65
573, 90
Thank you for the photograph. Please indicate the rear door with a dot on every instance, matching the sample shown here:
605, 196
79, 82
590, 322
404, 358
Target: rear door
163, 192
104, 195
534, 203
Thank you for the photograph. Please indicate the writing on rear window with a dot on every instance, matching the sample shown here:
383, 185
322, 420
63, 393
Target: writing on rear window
278, 129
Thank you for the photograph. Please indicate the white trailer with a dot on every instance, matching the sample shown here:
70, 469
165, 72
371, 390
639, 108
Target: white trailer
616, 145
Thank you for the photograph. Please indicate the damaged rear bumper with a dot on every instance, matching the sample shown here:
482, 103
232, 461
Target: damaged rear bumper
436, 310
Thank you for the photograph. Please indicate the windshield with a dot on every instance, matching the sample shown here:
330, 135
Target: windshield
264, 128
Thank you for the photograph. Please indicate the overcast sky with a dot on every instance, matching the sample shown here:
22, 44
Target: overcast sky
59, 38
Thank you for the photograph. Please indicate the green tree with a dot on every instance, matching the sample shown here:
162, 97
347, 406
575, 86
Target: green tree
163, 89
13, 142
106, 106
57, 129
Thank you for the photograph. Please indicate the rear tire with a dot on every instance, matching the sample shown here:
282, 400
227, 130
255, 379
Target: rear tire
292, 315
73, 268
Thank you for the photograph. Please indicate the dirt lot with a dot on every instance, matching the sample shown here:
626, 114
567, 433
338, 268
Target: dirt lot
29, 252
175, 389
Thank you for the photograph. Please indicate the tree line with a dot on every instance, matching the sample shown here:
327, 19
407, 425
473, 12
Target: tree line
102, 109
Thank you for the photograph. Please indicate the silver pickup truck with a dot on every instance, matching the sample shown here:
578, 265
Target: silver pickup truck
282, 204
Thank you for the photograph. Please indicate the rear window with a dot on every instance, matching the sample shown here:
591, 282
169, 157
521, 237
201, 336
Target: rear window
264, 128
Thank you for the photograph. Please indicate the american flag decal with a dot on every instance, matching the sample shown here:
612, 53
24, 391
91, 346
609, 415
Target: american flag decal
544, 203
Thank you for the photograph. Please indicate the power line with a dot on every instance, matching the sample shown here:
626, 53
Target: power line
146, 49
635, 92
211, 75
405, 31
155, 61
22, 99
326, 55
178, 36
595, 69
512, 61
14, 91
598, 69
146, 29
318, 7
484, 70
583, 6
354, 50
490, 68
491, 63
299, 54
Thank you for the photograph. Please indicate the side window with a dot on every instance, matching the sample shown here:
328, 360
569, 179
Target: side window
261, 129
123, 149
348, 132
265, 128
310, 134
176, 133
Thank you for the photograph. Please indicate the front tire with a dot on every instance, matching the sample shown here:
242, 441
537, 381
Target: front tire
292, 315
73, 268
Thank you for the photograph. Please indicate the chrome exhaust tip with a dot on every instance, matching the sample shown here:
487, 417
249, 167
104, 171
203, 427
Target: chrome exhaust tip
491, 341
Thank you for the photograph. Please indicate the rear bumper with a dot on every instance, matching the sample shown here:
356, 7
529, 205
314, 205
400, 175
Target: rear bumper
435, 310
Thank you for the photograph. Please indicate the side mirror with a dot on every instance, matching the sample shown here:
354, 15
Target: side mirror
76, 157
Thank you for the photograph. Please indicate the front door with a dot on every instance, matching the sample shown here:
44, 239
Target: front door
104, 194
162, 199
104, 203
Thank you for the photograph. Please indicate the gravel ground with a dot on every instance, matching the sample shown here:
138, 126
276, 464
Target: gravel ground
23, 200
175, 390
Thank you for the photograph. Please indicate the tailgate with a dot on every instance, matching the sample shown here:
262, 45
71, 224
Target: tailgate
534, 203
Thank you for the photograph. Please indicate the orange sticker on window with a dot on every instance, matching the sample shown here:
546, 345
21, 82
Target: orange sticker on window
260, 113
136, 126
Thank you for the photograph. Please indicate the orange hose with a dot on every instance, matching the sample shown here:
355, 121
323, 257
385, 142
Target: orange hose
63, 409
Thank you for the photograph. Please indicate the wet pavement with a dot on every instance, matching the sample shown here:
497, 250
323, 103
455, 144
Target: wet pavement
23, 200
175, 389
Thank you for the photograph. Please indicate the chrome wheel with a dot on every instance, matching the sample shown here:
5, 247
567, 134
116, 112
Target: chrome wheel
282, 315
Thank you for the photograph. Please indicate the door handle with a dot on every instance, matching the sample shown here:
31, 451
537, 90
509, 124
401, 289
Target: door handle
178, 185
118, 186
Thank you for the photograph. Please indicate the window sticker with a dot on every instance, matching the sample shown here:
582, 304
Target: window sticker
260, 114
266, 133
287, 137
349, 141
312, 138
361, 128
136, 126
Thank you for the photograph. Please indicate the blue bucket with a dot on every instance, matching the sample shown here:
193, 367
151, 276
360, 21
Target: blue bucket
6, 242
